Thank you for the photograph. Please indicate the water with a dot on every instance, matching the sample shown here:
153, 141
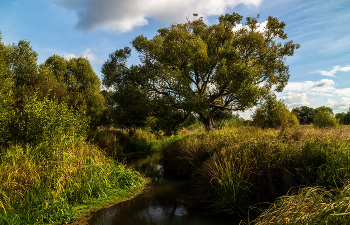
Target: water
165, 202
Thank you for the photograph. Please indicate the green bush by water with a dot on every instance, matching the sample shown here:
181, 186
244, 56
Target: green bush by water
47, 170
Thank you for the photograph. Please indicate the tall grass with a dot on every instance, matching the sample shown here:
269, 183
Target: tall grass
46, 168
121, 143
310, 206
232, 169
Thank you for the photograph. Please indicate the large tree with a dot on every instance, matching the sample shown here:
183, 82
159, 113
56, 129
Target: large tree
195, 68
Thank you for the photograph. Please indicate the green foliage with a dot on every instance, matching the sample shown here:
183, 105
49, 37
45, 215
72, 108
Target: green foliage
310, 206
324, 118
193, 68
304, 114
23, 65
6, 93
46, 121
233, 169
344, 118
273, 114
46, 168
81, 83
58, 78
324, 109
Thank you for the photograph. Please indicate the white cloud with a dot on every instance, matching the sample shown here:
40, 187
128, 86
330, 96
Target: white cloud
322, 87
260, 27
86, 54
90, 56
248, 113
293, 99
69, 56
123, 16
335, 69
344, 92
339, 105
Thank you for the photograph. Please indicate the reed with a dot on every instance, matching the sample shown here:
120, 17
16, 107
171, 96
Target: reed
310, 206
233, 168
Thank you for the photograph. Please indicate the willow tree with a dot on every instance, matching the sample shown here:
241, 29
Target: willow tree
195, 68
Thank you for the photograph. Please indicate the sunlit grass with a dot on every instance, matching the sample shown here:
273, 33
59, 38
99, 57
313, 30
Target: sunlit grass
234, 168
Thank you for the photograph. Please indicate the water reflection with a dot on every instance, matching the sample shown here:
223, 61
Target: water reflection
163, 203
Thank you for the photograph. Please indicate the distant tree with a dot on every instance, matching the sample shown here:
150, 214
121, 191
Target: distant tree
6, 87
273, 114
58, 78
324, 109
344, 118
23, 64
81, 84
304, 114
194, 68
324, 118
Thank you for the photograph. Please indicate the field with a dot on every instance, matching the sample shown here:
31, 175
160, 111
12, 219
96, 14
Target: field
244, 170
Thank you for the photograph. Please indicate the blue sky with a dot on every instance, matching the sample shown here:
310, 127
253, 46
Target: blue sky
320, 69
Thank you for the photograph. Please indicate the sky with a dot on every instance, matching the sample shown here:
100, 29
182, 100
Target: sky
319, 70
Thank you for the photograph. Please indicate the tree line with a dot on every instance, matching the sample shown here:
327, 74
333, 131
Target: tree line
189, 71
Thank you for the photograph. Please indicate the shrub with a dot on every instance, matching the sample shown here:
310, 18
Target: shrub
325, 119
274, 114
47, 168
46, 121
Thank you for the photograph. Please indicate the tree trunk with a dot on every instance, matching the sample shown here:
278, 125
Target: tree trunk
208, 123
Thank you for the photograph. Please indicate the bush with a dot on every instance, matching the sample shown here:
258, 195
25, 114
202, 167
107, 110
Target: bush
274, 114
46, 168
46, 121
325, 119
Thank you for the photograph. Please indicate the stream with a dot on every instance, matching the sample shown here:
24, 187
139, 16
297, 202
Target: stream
165, 202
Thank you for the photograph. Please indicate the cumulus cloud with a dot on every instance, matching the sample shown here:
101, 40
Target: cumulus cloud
86, 54
344, 92
90, 56
260, 27
317, 93
335, 69
293, 99
69, 56
322, 87
339, 105
123, 16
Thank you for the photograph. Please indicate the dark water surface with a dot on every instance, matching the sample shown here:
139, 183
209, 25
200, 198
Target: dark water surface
165, 202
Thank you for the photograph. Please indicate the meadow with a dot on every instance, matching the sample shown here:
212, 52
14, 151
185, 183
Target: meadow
275, 176
290, 175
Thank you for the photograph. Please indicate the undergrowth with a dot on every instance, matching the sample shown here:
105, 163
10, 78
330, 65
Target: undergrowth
234, 168
47, 169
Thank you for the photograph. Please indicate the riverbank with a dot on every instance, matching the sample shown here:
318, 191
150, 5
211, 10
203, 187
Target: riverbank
48, 170
86, 211
245, 169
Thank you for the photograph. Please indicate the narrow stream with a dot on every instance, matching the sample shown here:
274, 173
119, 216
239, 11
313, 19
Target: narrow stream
163, 203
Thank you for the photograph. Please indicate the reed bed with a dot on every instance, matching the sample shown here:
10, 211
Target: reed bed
233, 169
310, 206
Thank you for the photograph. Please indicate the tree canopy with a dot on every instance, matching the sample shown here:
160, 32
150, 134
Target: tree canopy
195, 68
72, 80
274, 114
304, 114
